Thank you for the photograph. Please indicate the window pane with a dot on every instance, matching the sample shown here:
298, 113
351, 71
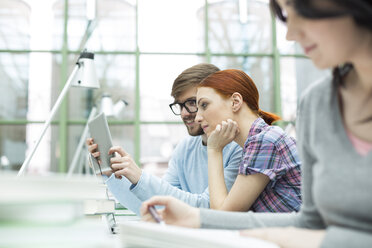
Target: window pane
116, 74
76, 25
116, 27
157, 75
12, 146
296, 74
58, 10
235, 28
45, 22
259, 69
43, 85
179, 30
14, 74
159, 140
113, 27
14, 24
30, 83
17, 141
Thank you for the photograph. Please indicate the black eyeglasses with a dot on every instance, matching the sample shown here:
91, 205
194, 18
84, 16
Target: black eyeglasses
189, 105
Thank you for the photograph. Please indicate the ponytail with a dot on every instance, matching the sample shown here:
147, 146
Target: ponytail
340, 72
268, 117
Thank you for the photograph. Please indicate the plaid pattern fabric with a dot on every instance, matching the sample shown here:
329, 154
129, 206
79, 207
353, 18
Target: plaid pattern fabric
270, 151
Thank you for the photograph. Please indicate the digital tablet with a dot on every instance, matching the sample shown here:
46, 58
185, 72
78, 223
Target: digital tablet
100, 132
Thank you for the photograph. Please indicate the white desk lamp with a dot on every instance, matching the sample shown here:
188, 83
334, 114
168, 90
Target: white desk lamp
83, 75
110, 109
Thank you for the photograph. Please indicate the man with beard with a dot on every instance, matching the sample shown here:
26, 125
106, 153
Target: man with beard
187, 174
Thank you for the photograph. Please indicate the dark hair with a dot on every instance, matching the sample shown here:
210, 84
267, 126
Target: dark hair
192, 77
359, 10
229, 81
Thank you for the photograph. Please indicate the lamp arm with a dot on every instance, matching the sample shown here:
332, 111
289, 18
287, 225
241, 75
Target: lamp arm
49, 120
81, 143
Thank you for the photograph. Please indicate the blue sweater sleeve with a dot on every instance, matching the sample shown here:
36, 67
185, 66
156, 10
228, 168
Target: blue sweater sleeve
150, 185
120, 190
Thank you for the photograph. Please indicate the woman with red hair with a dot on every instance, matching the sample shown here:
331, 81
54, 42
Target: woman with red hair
269, 177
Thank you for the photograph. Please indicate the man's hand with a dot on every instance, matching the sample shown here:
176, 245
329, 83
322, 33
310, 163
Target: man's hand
222, 135
175, 212
123, 165
93, 149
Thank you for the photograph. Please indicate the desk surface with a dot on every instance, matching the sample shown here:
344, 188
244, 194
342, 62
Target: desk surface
87, 232
145, 234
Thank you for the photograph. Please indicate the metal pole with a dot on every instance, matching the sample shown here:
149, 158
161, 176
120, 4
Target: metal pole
49, 120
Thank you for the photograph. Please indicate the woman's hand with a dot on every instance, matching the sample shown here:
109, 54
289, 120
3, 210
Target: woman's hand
222, 135
288, 237
123, 165
175, 212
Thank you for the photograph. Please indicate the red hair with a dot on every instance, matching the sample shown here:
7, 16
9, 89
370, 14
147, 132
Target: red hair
227, 82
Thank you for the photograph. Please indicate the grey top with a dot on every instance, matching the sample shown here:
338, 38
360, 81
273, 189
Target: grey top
337, 183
